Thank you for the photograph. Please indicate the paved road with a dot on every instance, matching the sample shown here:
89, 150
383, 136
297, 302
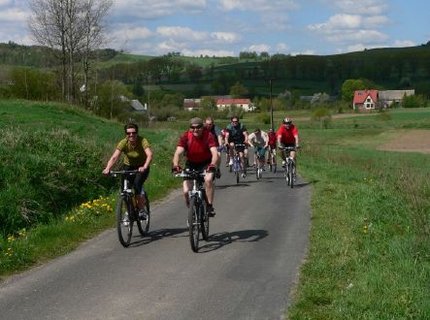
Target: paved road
245, 271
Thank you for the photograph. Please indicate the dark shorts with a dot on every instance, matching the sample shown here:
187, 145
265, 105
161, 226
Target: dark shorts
201, 166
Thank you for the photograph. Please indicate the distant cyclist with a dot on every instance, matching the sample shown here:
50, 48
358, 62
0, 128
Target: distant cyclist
138, 156
219, 139
199, 147
272, 146
287, 136
259, 140
237, 134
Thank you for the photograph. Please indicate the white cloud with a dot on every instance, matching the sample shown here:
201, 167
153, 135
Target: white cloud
259, 48
404, 43
184, 33
15, 15
257, 5
364, 7
225, 37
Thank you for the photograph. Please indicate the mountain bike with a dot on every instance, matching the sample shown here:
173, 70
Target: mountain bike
289, 167
271, 159
259, 164
236, 167
198, 218
127, 212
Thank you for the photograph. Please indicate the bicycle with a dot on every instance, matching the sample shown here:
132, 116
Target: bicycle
289, 167
271, 160
236, 167
126, 209
198, 217
259, 164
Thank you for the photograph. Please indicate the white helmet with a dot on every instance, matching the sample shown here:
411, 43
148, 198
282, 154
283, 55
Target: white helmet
287, 120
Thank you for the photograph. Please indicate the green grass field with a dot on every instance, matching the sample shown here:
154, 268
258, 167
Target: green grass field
369, 255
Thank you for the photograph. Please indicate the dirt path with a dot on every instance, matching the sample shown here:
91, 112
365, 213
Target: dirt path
409, 141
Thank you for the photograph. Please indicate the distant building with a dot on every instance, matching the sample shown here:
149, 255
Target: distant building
245, 103
366, 100
389, 97
192, 104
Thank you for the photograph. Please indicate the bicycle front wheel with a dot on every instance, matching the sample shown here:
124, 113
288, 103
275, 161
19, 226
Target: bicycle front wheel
204, 222
144, 222
193, 224
291, 174
124, 221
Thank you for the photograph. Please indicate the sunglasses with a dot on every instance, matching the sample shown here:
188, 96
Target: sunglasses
196, 127
131, 133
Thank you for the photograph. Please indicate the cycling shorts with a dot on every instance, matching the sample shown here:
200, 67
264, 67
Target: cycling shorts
137, 180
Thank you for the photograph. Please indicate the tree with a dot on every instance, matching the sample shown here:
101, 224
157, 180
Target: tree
238, 90
74, 28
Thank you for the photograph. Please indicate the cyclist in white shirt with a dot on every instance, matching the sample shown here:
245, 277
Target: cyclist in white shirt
259, 140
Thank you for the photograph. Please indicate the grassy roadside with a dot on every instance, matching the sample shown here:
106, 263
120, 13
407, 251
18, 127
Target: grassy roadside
370, 240
369, 252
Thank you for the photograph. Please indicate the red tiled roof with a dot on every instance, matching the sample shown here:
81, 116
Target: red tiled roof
360, 96
229, 101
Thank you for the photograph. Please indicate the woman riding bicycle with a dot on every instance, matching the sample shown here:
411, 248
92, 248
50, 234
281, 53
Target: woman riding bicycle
137, 156
199, 145
259, 140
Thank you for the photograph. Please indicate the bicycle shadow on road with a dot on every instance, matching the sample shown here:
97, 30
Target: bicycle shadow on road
225, 186
219, 240
155, 235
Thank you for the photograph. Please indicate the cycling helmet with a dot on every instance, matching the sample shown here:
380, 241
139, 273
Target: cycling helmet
287, 120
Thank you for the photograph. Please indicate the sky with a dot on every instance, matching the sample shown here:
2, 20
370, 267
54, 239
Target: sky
228, 27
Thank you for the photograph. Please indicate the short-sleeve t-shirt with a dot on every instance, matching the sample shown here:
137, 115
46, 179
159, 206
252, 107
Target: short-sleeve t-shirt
197, 148
287, 135
134, 156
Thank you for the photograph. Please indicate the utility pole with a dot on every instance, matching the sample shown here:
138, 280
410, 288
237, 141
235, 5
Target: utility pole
271, 106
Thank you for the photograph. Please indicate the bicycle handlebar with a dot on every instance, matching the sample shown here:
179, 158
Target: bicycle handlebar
190, 174
123, 172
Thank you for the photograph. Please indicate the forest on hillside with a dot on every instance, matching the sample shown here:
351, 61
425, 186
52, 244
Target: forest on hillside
172, 77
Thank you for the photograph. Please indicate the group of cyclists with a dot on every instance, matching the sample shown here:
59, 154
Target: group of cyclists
201, 146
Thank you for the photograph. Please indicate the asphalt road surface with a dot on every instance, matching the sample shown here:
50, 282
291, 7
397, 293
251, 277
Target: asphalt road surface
246, 270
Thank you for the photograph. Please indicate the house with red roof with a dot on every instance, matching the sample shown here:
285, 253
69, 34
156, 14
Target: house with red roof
243, 103
365, 100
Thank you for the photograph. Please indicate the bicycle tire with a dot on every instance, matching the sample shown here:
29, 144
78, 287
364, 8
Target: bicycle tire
193, 224
143, 224
124, 220
204, 221
290, 174
237, 177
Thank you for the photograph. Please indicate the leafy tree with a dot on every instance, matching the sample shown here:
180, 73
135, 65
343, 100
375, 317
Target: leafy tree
350, 86
111, 99
238, 90
208, 103
33, 84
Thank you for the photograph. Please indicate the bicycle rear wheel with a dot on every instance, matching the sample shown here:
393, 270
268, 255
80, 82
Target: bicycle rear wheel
124, 220
193, 224
143, 224
204, 221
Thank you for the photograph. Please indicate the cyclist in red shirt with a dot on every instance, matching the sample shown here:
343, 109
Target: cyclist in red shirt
272, 145
200, 149
287, 136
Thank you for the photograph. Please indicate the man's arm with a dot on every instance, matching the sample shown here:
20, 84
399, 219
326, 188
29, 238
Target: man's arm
177, 155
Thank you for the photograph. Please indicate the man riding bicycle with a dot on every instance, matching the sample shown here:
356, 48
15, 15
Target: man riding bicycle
199, 146
237, 135
287, 136
259, 140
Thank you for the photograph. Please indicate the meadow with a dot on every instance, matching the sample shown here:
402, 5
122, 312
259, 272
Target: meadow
369, 253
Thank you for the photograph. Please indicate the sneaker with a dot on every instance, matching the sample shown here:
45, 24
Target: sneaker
210, 210
218, 173
283, 163
230, 163
142, 214
243, 175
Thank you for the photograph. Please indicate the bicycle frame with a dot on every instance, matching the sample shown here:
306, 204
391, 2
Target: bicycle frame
289, 169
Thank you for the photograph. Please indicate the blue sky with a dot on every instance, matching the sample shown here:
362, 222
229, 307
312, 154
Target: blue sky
228, 27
